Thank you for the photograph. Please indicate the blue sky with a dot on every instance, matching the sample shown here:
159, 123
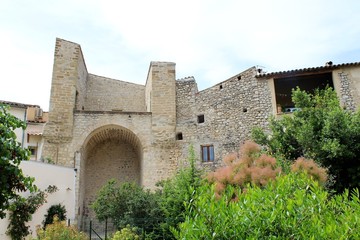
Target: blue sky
211, 40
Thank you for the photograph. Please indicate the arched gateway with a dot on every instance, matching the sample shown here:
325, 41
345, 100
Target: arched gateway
110, 152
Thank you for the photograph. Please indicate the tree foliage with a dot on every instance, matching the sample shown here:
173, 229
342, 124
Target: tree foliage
128, 204
22, 209
321, 130
12, 179
176, 193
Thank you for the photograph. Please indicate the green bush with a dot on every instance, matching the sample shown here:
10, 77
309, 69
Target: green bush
175, 193
293, 206
129, 204
322, 131
21, 211
155, 213
55, 210
126, 233
59, 231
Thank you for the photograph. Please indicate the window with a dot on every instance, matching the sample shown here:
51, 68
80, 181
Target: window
207, 153
32, 150
284, 86
179, 136
200, 118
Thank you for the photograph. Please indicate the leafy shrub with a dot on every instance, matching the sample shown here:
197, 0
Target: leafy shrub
311, 168
55, 210
126, 233
21, 211
154, 214
12, 178
128, 204
59, 231
248, 166
293, 206
323, 130
175, 193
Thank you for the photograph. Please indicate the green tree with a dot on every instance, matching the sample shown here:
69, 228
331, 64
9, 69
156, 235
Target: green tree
12, 179
176, 193
22, 209
321, 130
129, 204
156, 213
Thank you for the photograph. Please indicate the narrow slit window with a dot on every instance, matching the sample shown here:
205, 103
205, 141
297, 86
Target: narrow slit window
200, 118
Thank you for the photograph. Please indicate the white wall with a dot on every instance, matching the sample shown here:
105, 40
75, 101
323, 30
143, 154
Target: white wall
47, 174
20, 113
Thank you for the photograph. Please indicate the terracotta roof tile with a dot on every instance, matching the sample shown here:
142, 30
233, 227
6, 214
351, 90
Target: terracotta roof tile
306, 70
19, 105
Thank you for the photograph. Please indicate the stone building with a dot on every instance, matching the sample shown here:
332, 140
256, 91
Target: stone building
107, 128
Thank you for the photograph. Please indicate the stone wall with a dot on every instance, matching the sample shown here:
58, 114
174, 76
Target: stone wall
68, 63
110, 159
161, 98
63, 90
349, 87
230, 109
105, 94
81, 83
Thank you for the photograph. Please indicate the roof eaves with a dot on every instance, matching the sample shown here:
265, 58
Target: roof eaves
19, 105
306, 70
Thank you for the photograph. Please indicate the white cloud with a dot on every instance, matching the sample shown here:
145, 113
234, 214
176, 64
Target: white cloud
211, 40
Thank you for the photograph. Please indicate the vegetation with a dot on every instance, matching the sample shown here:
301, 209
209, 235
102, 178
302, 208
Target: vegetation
59, 231
248, 166
293, 206
278, 190
21, 210
155, 214
128, 204
57, 210
177, 192
127, 233
12, 179
322, 131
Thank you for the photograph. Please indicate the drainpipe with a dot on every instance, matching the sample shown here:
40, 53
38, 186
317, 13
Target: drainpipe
23, 132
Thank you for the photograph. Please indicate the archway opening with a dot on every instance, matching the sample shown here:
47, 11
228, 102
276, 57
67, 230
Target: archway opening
110, 152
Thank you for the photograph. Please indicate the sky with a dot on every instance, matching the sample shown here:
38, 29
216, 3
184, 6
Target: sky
211, 40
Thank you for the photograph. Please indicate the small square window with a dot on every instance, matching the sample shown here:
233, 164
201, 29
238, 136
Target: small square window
207, 153
200, 118
32, 151
179, 136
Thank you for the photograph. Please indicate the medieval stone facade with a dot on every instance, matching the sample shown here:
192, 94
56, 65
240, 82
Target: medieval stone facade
107, 128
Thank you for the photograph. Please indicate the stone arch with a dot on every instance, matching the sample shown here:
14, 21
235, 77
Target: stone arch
109, 152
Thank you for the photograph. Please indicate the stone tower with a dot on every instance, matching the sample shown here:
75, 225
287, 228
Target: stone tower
109, 129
